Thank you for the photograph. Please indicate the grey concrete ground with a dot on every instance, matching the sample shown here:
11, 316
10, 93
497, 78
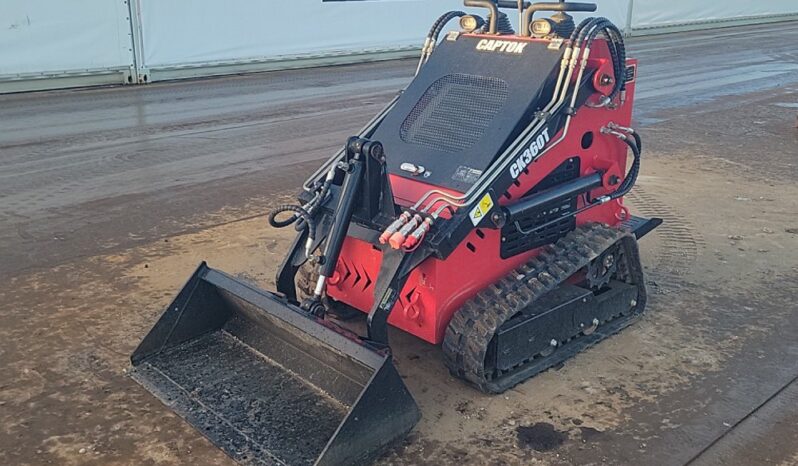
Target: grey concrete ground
108, 197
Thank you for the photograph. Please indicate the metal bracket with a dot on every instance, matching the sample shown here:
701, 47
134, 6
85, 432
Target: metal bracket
394, 270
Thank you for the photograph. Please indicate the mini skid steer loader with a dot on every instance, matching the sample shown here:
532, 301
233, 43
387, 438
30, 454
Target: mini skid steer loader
481, 210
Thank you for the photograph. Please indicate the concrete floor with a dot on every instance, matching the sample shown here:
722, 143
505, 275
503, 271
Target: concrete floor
109, 198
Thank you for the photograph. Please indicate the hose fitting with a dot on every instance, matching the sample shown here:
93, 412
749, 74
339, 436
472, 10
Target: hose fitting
398, 238
394, 227
414, 238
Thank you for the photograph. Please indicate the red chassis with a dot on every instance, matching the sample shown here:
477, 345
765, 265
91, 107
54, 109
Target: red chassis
437, 288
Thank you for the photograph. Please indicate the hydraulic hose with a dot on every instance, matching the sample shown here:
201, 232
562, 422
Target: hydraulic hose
318, 199
299, 212
320, 196
618, 54
434, 33
578, 29
638, 141
443, 21
616, 48
591, 23
631, 177
624, 189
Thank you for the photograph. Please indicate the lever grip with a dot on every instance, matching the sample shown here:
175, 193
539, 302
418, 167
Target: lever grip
562, 6
510, 4
550, 6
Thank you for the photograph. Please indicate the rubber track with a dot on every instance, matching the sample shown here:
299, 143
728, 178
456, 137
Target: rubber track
471, 329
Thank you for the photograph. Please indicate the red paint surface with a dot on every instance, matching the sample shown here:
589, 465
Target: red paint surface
436, 289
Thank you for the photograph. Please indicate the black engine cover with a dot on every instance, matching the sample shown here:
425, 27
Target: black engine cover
470, 100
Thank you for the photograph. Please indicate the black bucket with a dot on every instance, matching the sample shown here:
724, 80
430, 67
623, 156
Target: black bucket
268, 383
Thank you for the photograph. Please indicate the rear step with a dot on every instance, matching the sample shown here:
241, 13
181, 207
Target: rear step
269, 384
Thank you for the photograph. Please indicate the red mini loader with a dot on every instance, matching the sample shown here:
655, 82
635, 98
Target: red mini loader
481, 210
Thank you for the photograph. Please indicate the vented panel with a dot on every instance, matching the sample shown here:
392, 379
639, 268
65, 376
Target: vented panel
454, 112
515, 242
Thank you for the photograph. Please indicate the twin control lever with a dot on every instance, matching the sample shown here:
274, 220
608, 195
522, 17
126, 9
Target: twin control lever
526, 10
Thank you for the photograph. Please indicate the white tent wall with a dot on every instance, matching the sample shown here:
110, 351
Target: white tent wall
47, 43
662, 16
51, 44
207, 39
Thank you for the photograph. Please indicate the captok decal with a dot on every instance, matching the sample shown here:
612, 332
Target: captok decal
505, 46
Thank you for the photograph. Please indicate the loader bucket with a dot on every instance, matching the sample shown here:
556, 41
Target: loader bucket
268, 383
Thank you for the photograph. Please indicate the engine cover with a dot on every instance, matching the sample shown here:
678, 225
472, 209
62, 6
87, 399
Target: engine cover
468, 102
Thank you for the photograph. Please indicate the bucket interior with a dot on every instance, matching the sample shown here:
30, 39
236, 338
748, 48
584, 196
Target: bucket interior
270, 386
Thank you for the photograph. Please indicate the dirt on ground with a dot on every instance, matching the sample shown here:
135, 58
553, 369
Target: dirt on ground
718, 337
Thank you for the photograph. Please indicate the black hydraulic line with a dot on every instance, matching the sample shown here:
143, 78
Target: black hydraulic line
325, 189
631, 177
638, 141
590, 33
578, 29
299, 212
583, 37
618, 53
441, 22
434, 32
437, 23
618, 56
617, 41
615, 44
591, 24
314, 203
439, 29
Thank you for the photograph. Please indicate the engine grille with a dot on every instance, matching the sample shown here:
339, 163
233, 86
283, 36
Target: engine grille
514, 242
454, 112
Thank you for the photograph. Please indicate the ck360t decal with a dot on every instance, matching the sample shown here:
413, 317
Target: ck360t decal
529, 154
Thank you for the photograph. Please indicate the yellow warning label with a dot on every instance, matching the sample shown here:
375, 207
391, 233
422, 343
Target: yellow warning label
481, 209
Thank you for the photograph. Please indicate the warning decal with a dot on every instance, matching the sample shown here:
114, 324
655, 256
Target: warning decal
481, 210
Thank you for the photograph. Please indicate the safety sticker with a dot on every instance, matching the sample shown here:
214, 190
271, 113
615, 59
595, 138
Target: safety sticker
466, 174
482, 209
